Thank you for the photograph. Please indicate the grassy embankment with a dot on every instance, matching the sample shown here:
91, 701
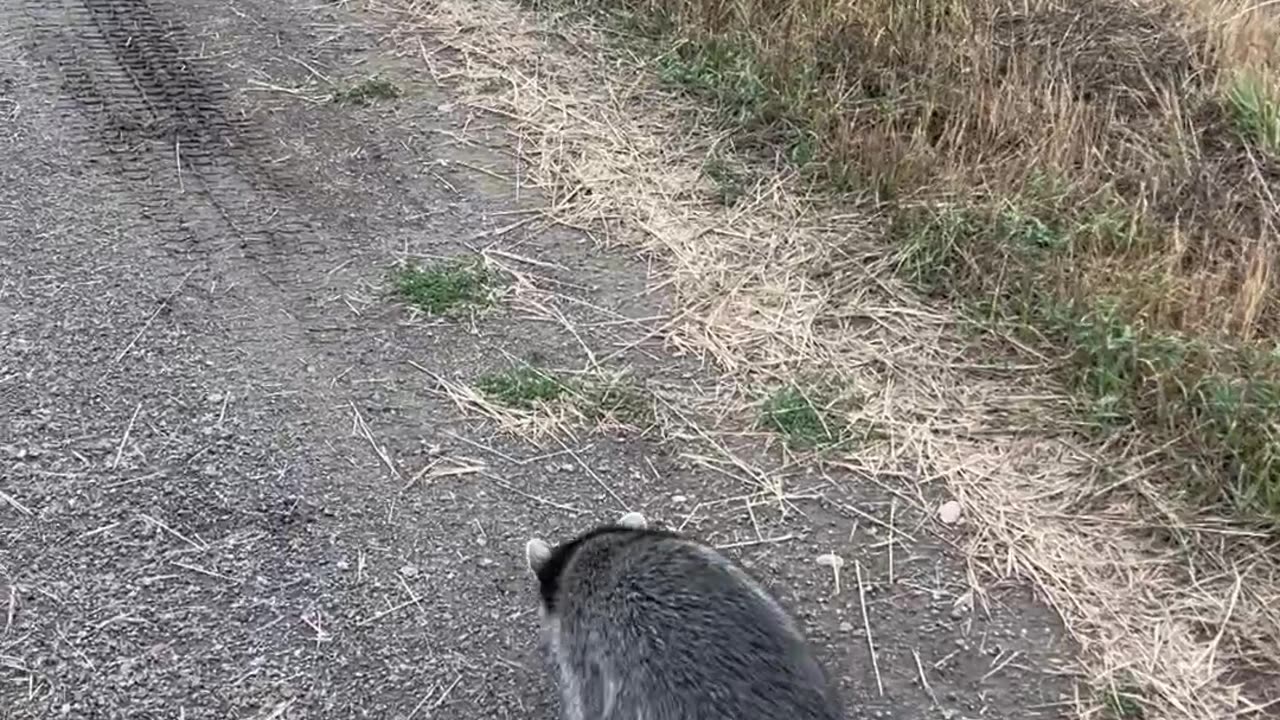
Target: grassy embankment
1099, 177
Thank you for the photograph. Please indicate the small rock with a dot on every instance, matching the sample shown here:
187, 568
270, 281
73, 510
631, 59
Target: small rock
409, 571
344, 565
678, 499
949, 513
830, 560
846, 626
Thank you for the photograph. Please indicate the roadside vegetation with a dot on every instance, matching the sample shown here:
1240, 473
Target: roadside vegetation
1096, 179
367, 92
445, 286
595, 397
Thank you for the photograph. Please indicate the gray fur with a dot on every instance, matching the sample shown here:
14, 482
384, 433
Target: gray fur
649, 625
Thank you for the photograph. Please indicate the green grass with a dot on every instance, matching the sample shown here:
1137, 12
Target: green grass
524, 388
1256, 111
596, 398
367, 92
802, 419
618, 400
722, 72
444, 286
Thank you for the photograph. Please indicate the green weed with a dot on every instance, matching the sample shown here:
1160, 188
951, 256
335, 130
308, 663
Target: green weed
597, 399
444, 286
798, 417
618, 400
724, 73
367, 92
524, 388
1256, 110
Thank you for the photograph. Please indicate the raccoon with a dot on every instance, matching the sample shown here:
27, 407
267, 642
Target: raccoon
645, 624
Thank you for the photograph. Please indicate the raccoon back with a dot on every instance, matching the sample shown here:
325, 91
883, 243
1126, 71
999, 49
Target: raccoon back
655, 626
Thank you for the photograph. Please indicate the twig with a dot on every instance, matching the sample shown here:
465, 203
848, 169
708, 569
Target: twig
13, 608
760, 541
924, 681
222, 414
430, 694
163, 303
363, 428
527, 496
175, 533
388, 611
893, 509
866, 626
446, 692
599, 481
1003, 663
13, 502
202, 571
863, 514
125, 438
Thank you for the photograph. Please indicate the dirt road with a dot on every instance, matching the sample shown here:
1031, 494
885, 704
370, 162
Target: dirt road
214, 420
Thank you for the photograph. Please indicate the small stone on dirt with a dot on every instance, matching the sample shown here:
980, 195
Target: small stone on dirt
830, 560
409, 571
949, 513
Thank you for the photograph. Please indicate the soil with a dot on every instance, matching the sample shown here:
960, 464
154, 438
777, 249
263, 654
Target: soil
195, 332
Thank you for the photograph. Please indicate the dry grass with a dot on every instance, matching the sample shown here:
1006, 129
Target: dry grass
1146, 129
1166, 602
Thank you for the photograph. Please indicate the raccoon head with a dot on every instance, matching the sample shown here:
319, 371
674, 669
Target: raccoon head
537, 552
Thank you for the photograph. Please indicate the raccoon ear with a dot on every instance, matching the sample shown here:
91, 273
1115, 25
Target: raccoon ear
633, 520
536, 554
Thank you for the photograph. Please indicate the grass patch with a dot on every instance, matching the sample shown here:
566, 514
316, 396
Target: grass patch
523, 388
598, 399
804, 420
619, 401
1255, 107
444, 286
724, 72
367, 92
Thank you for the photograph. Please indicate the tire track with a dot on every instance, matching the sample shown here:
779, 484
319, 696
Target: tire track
137, 87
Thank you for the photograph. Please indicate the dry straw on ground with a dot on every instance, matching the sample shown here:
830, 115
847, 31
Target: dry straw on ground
776, 287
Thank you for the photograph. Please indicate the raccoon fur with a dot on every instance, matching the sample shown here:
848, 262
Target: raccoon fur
644, 624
